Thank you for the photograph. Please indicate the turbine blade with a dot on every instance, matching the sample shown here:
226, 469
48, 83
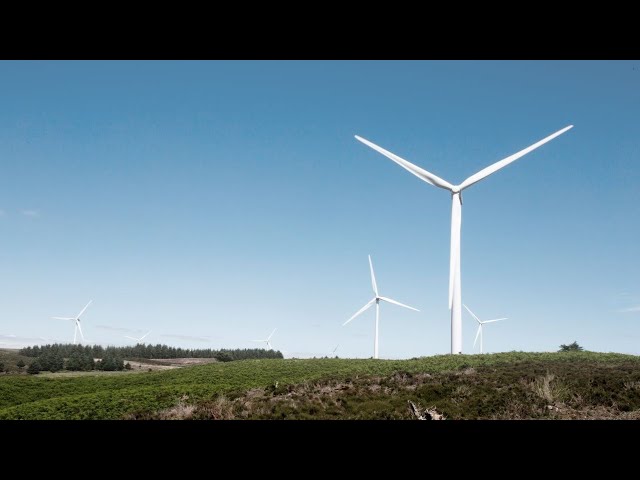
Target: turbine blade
142, 337
360, 311
421, 173
473, 314
477, 335
494, 320
80, 329
269, 337
132, 338
485, 172
269, 345
454, 254
85, 307
390, 300
63, 318
373, 278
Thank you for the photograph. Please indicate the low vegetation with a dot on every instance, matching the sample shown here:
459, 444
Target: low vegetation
506, 385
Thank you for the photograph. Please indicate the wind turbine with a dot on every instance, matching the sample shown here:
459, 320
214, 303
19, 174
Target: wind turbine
267, 340
480, 324
376, 299
138, 340
455, 289
76, 319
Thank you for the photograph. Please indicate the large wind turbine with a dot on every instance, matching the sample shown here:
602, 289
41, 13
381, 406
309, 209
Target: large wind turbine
138, 340
376, 299
455, 289
480, 324
76, 320
267, 340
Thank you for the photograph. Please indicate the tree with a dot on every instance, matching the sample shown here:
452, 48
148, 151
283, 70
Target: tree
75, 362
110, 362
20, 364
34, 368
573, 347
1, 367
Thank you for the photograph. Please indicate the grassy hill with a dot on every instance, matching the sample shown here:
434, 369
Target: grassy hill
504, 385
9, 357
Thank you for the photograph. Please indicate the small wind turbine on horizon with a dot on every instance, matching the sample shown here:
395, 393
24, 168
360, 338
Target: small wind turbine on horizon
480, 325
455, 289
76, 321
267, 340
376, 299
138, 340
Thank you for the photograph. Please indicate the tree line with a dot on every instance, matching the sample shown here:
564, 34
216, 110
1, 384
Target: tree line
145, 351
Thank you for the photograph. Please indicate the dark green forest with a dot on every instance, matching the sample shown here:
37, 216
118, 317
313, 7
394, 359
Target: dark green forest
81, 357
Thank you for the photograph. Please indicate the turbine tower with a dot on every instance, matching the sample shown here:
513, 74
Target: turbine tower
455, 289
376, 299
267, 340
76, 320
480, 324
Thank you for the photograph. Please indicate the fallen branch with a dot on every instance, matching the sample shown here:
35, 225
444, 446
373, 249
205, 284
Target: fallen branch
429, 413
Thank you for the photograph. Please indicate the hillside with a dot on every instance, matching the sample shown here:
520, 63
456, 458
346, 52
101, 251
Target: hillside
9, 357
505, 385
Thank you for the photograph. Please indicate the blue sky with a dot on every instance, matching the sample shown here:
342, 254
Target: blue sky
214, 201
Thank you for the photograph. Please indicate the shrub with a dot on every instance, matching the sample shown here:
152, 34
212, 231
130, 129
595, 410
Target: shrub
573, 347
34, 368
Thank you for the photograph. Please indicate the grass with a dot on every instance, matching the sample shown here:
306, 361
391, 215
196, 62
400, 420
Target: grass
505, 385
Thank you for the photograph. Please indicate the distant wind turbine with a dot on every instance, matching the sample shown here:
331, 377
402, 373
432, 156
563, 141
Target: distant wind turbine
138, 340
376, 299
480, 325
334, 350
455, 289
267, 340
76, 320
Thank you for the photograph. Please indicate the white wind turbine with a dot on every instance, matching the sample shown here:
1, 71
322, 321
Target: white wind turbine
267, 340
480, 324
455, 289
76, 320
376, 299
138, 340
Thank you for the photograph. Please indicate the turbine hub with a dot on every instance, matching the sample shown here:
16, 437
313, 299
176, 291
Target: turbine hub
455, 189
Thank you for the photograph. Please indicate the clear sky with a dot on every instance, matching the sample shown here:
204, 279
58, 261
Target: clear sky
212, 202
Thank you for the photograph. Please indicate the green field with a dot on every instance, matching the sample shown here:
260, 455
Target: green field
504, 385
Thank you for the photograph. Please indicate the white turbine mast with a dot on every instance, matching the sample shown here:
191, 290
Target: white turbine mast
455, 289
376, 299
480, 325
76, 321
138, 340
267, 340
